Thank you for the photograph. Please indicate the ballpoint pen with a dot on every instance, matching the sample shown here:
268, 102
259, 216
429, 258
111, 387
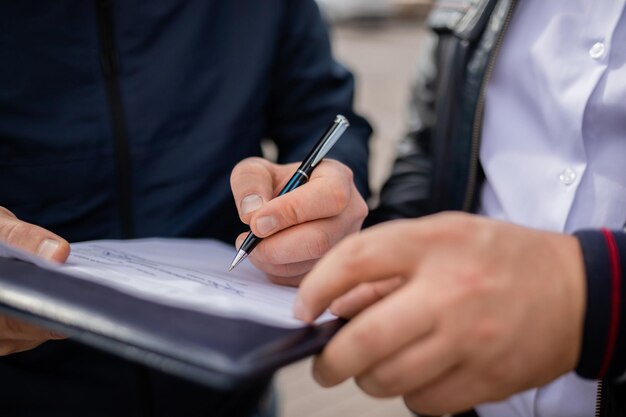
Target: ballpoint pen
300, 177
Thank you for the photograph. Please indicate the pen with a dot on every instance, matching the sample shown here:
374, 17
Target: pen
300, 177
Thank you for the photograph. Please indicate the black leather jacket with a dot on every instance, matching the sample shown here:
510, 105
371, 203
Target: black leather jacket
437, 167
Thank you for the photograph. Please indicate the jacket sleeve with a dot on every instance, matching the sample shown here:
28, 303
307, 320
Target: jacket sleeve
309, 88
406, 192
603, 354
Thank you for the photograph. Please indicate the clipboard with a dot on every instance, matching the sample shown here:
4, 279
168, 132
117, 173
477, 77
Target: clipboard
216, 351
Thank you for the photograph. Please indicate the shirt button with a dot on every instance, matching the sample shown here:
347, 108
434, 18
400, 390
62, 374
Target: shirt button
597, 50
568, 176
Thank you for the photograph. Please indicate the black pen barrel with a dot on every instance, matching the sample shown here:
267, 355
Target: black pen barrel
296, 180
250, 243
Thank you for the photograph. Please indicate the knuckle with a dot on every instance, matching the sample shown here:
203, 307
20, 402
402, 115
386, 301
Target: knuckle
361, 209
473, 284
371, 292
340, 185
14, 231
319, 245
247, 166
379, 292
470, 284
7, 213
353, 251
458, 217
348, 174
292, 213
344, 170
367, 339
485, 331
457, 225
339, 197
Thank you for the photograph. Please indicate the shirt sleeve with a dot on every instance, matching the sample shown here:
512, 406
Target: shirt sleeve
603, 354
309, 88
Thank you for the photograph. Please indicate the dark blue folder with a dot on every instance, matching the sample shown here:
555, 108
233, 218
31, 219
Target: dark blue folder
213, 350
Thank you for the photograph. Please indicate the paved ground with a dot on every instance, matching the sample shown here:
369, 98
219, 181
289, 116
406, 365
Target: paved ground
382, 57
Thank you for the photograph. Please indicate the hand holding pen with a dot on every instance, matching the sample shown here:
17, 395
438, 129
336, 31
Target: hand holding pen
303, 222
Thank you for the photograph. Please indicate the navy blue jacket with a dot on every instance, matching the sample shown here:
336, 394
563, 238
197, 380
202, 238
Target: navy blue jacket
123, 119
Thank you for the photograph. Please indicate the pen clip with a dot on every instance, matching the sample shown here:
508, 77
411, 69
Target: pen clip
335, 132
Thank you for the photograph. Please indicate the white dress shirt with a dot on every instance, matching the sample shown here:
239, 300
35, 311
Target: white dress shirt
554, 145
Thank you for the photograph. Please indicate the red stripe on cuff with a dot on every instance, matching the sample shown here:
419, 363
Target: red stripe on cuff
616, 281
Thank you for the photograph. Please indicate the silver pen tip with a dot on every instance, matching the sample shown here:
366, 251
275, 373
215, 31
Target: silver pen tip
341, 119
241, 255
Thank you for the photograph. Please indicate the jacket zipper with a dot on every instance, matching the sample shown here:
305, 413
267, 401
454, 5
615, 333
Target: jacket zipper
599, 399
480, 107
110, 69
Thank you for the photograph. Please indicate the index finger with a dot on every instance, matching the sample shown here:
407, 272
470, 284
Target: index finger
372, 255
327, 194
387, 327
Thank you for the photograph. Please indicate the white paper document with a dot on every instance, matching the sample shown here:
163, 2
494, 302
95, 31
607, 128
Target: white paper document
185, 273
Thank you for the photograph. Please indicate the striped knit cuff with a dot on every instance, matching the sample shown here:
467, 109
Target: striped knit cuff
603, 352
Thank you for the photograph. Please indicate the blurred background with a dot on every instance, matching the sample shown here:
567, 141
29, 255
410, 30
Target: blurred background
378, 40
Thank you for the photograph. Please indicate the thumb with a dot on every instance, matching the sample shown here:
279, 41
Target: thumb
31, 238
252, 183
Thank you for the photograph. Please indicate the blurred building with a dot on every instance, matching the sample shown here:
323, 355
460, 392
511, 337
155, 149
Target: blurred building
342, 10
350, 9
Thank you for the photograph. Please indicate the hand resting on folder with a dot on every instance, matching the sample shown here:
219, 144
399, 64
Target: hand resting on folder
15, 335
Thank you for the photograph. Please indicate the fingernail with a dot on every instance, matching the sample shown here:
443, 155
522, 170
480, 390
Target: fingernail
47, 248
299, 311
251, 203
265, 225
